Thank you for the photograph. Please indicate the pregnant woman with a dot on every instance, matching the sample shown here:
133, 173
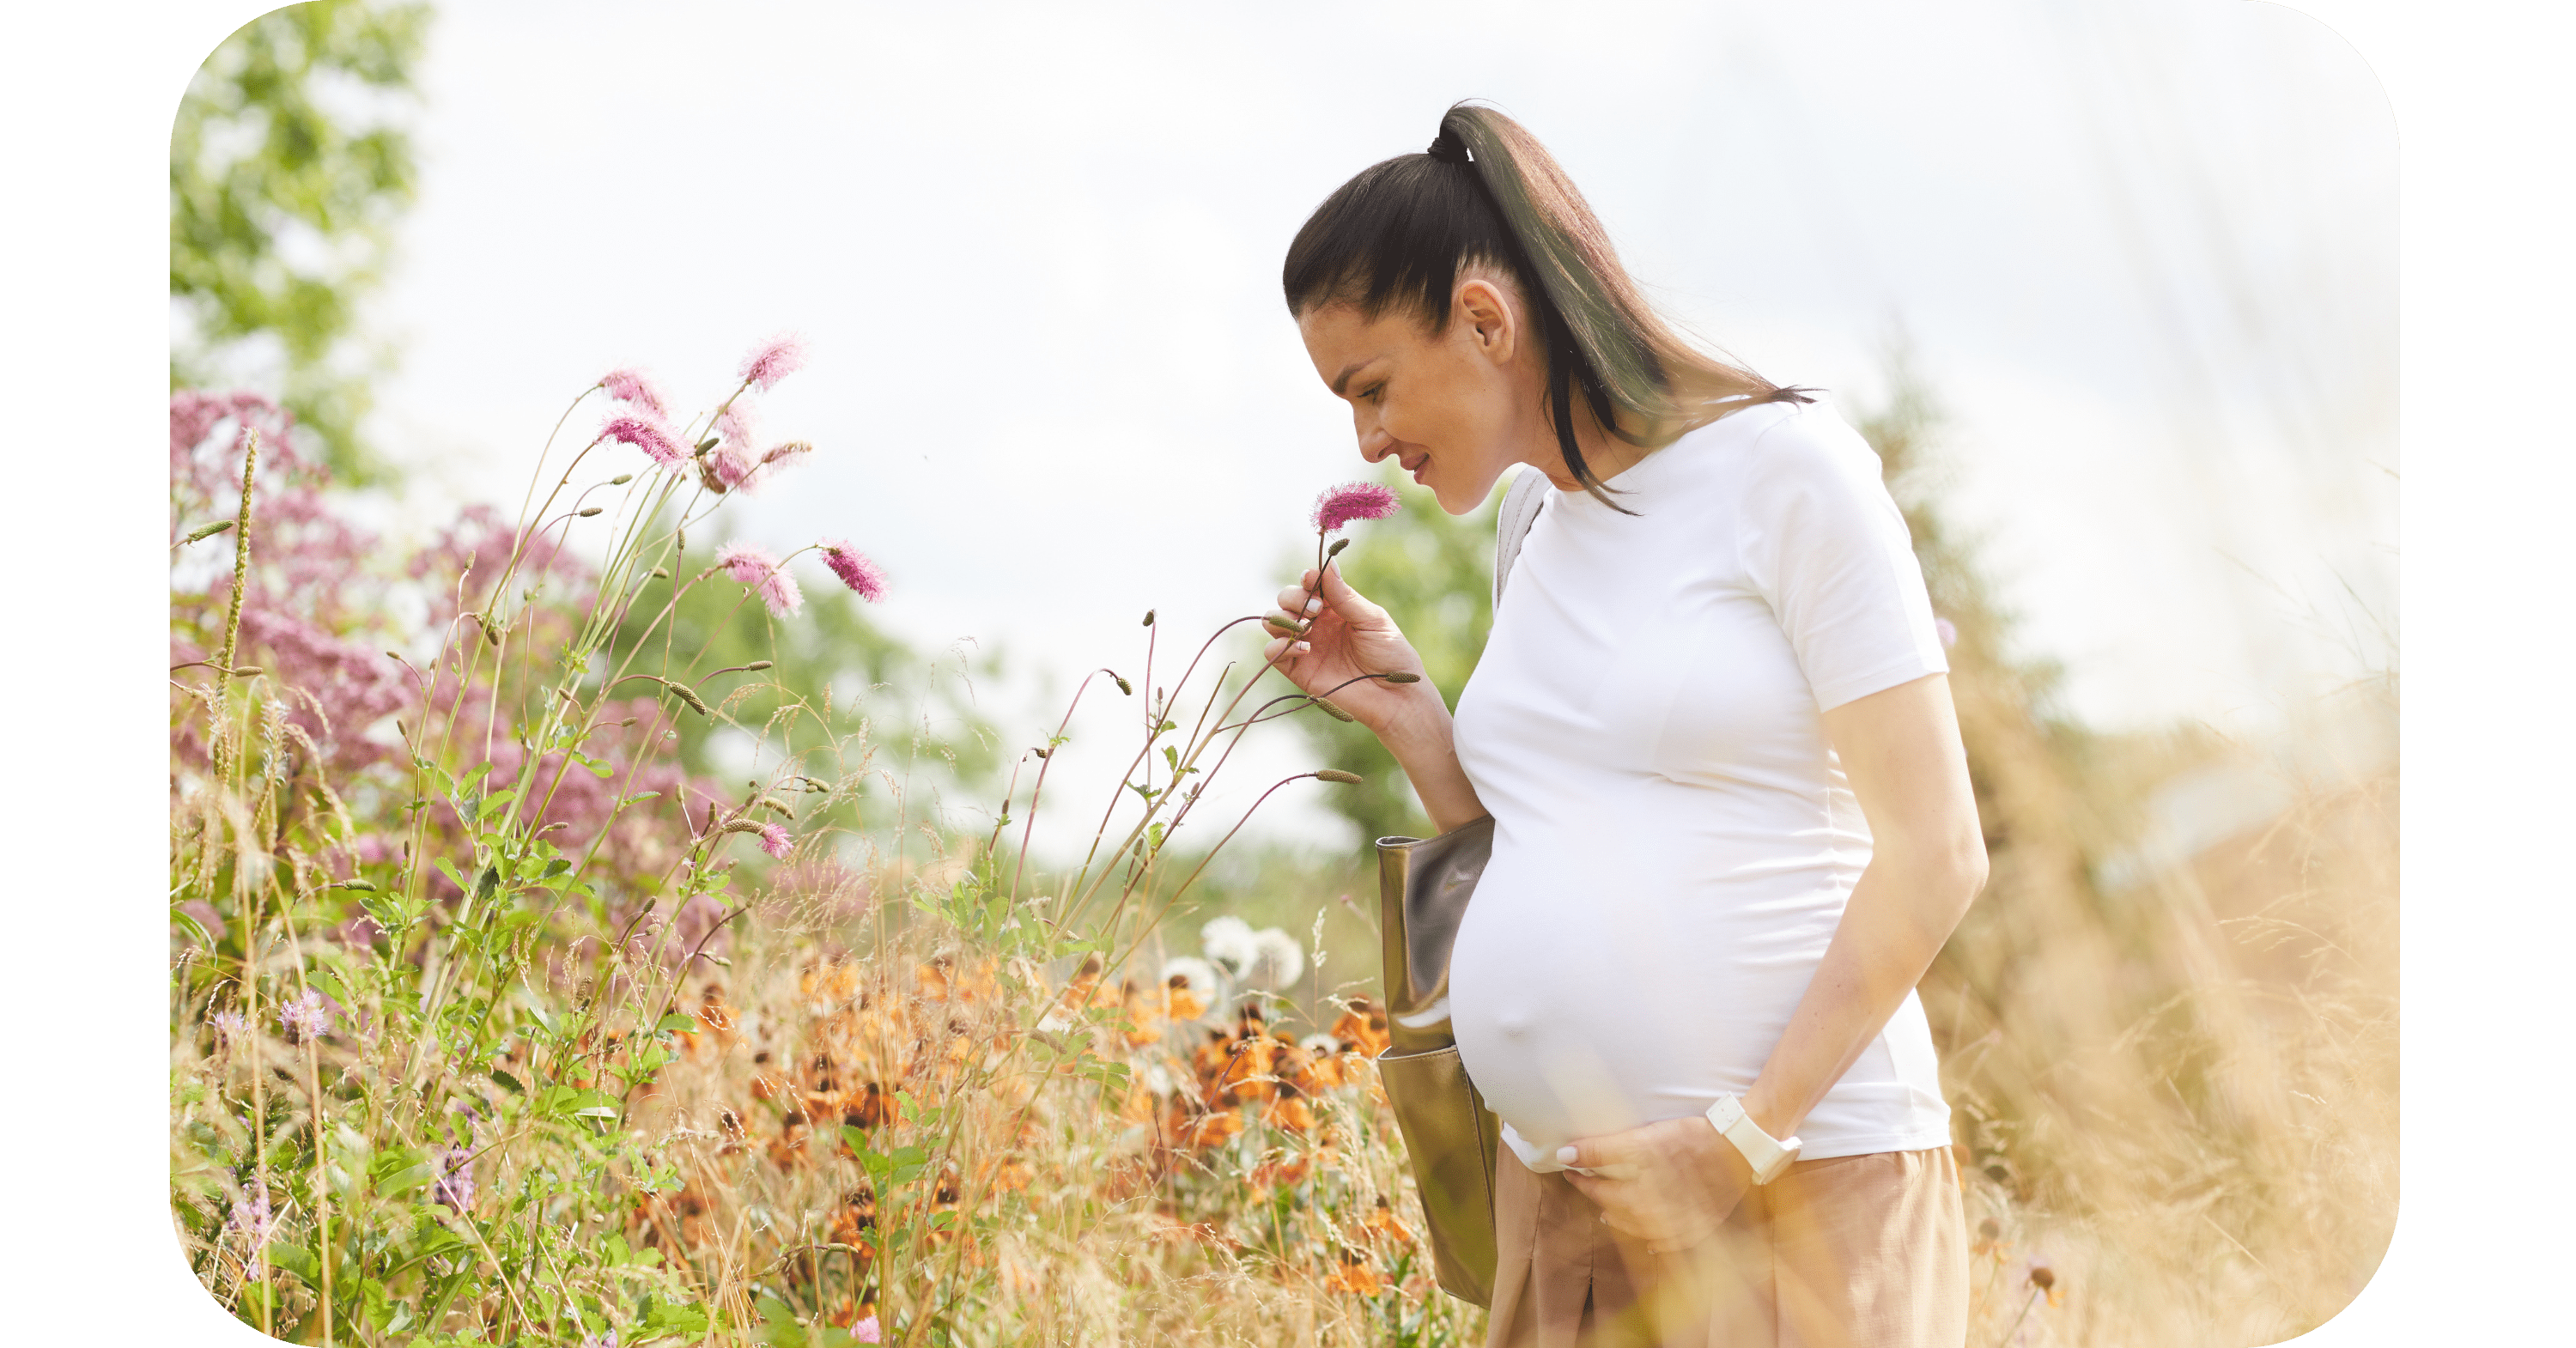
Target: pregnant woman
1732, 817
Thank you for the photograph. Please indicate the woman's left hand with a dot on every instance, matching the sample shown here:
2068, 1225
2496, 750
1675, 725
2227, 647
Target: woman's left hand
1676, 1181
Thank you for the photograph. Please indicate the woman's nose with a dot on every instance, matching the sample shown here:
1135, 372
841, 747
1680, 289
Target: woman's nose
1376, 444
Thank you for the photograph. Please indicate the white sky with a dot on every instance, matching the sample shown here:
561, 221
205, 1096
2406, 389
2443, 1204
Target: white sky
2146, 252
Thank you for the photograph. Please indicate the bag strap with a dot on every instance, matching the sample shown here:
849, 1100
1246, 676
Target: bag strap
1512, 523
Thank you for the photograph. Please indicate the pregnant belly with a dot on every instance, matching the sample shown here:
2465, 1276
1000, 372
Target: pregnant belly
1585, 1006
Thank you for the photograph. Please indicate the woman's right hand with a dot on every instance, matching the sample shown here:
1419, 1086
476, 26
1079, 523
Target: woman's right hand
1347, 637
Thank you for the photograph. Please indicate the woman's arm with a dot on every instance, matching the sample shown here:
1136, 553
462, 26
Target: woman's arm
1900, 750
1350, 637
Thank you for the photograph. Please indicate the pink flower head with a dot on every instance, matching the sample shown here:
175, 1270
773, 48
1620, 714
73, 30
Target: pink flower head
306, 1017
733, 459
647, 434
774, 360
774, 841
867, 1331
855, 570
1352, 501
764, 574
630, 386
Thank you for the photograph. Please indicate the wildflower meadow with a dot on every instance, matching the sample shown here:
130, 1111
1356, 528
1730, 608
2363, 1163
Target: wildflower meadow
498, 1019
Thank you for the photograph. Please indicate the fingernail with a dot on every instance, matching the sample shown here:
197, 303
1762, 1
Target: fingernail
1303, 647
1314, 605
1566, 1155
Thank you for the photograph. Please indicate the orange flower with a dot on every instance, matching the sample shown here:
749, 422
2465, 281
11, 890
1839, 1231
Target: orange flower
1211, 1130
1383, 1224
1355, 1272
1290, 1113
788, 1151
1362, 1027
1009, 1175
1144, 1008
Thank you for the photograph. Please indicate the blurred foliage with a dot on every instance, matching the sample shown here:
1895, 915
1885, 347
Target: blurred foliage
923, 728
283, 192
1433, 571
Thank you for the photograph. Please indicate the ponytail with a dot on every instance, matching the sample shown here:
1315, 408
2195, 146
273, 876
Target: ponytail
1486, 193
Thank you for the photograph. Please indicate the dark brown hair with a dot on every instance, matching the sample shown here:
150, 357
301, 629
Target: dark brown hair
1488, 194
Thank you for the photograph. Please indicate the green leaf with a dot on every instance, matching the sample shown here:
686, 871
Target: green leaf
675, 1023
297, 1260
403, 1181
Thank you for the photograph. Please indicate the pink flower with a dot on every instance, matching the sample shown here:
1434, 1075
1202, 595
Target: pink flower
307, 1017
774, 841
1352, 501
779, 358
866, 1331
854, 569
631, 386
733, 462
647, 434
764, 574
1948, 632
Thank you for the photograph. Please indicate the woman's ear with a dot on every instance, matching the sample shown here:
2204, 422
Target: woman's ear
1490, 320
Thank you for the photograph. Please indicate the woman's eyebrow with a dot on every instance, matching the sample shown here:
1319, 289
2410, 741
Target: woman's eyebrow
1347, 371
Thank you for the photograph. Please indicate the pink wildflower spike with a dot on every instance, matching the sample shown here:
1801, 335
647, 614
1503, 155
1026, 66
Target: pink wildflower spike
1340, 505
774, 841
631, 386
773, 361
764, 575
864, 577
647, 434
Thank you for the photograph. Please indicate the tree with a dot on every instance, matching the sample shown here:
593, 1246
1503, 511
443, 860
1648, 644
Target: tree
286, 178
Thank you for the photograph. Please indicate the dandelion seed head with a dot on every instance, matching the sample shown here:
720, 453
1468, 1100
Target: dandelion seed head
863, 576
1228, 944
1277, 960
634, 388
774, 360
1350, 501
761, 572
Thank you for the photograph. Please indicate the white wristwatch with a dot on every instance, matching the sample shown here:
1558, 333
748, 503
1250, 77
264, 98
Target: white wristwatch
1767, 1157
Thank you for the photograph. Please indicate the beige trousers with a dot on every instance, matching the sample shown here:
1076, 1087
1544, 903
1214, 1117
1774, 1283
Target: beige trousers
1848, 1252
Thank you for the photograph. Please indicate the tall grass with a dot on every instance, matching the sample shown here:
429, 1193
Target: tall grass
495, 1022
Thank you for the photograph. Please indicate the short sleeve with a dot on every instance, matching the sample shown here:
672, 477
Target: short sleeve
1824, 544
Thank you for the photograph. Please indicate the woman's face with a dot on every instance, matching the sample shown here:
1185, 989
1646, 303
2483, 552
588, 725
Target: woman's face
1454, 408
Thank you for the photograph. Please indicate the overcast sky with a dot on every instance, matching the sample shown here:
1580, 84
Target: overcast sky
2144, 251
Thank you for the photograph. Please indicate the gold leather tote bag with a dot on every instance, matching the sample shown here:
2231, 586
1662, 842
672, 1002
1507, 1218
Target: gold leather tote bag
1449, 1135
1452, 1140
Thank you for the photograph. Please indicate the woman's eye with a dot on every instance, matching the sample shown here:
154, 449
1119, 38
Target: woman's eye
1373, 391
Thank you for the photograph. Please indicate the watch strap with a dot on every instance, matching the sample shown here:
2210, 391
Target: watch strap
1768, 1156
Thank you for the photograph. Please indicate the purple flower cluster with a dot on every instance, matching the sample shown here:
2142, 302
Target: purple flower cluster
772, 361
1350, 501
306, 1017
864, 577
760, 570
650, 435
632, 387
257, 1224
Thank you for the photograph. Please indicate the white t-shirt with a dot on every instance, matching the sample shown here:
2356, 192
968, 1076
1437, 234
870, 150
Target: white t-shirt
1674, 838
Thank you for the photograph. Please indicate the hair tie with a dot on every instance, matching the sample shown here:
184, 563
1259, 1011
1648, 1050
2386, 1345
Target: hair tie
1448, 149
